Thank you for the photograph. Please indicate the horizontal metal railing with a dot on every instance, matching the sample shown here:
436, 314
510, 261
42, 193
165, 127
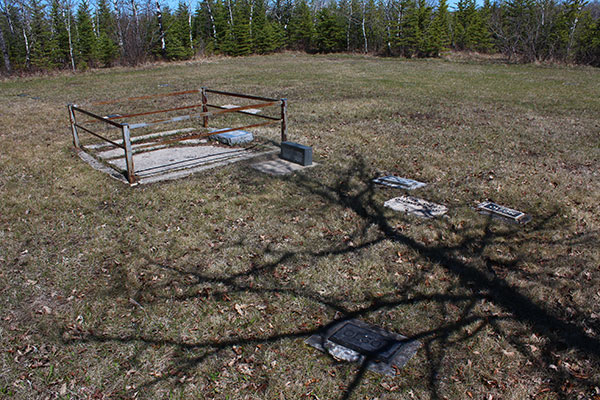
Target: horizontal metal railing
204, 114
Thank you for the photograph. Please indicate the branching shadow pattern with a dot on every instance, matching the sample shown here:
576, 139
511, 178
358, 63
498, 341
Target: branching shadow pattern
478, 277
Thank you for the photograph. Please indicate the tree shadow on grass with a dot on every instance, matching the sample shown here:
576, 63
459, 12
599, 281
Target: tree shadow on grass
477, 279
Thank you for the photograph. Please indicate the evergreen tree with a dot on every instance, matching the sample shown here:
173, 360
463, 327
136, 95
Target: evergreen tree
59, 41
438, 33
262, 35
462, 18
224, 28
241, 29
519, 29
40, 37
203, 27
587, 49
330, 35
177, 35
409, 34
4, 49
301, 29
86, 46
108, 50
470, 30
424, 21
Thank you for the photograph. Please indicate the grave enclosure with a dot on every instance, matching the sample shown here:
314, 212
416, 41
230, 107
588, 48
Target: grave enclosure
188, 114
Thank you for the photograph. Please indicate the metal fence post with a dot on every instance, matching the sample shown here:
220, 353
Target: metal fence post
73, 127
284, 120
204, 108
128, 154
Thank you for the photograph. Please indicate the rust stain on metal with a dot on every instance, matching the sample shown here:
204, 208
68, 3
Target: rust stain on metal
126, 128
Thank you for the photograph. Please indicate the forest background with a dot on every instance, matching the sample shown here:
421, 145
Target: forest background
43, 35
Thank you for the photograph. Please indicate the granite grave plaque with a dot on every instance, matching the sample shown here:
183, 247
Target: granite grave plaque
398, 182
502, 212
356, 341
415, 206
365, 341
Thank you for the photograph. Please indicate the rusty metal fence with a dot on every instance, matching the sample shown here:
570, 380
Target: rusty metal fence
125, 142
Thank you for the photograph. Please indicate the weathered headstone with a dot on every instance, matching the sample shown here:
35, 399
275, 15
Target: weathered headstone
296, 153
505, 213
398, 182
360, 342
415, 206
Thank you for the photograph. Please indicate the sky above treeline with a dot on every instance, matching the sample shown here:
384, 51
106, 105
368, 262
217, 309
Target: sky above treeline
173, 3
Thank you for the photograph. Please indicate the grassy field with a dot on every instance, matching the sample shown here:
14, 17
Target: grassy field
208, 286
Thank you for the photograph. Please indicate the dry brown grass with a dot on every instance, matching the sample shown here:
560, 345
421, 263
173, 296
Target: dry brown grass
207, 287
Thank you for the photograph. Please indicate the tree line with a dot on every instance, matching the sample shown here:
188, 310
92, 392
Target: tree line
38, 35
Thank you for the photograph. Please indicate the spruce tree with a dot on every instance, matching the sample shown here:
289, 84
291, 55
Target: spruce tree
261, 34
330, 35
424, 21
177, 34
59, 41
108, 50
301, 29
409, 34
587, 49
86, 46
224, 28
40, 37
242, 45
519, 29
440, 28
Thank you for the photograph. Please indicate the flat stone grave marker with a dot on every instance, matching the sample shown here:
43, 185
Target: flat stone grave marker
505, 213
247, 111
360, 342
398, 182
415, 206
232, 138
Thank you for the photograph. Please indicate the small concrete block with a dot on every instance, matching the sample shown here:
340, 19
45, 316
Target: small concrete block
357, 341
415, 206
398, 182
233, 137
297, 153
278, 167
505, 213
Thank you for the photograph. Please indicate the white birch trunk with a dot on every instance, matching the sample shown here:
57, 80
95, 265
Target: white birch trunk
212, 22
364, 32
190, 24
68, 18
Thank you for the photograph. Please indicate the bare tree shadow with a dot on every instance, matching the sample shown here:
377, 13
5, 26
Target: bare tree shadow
478, 277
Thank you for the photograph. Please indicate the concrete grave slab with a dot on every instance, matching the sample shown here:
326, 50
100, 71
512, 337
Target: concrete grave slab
359, 342
279, 167
504, 213
164, 162
415, 206
398, 182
